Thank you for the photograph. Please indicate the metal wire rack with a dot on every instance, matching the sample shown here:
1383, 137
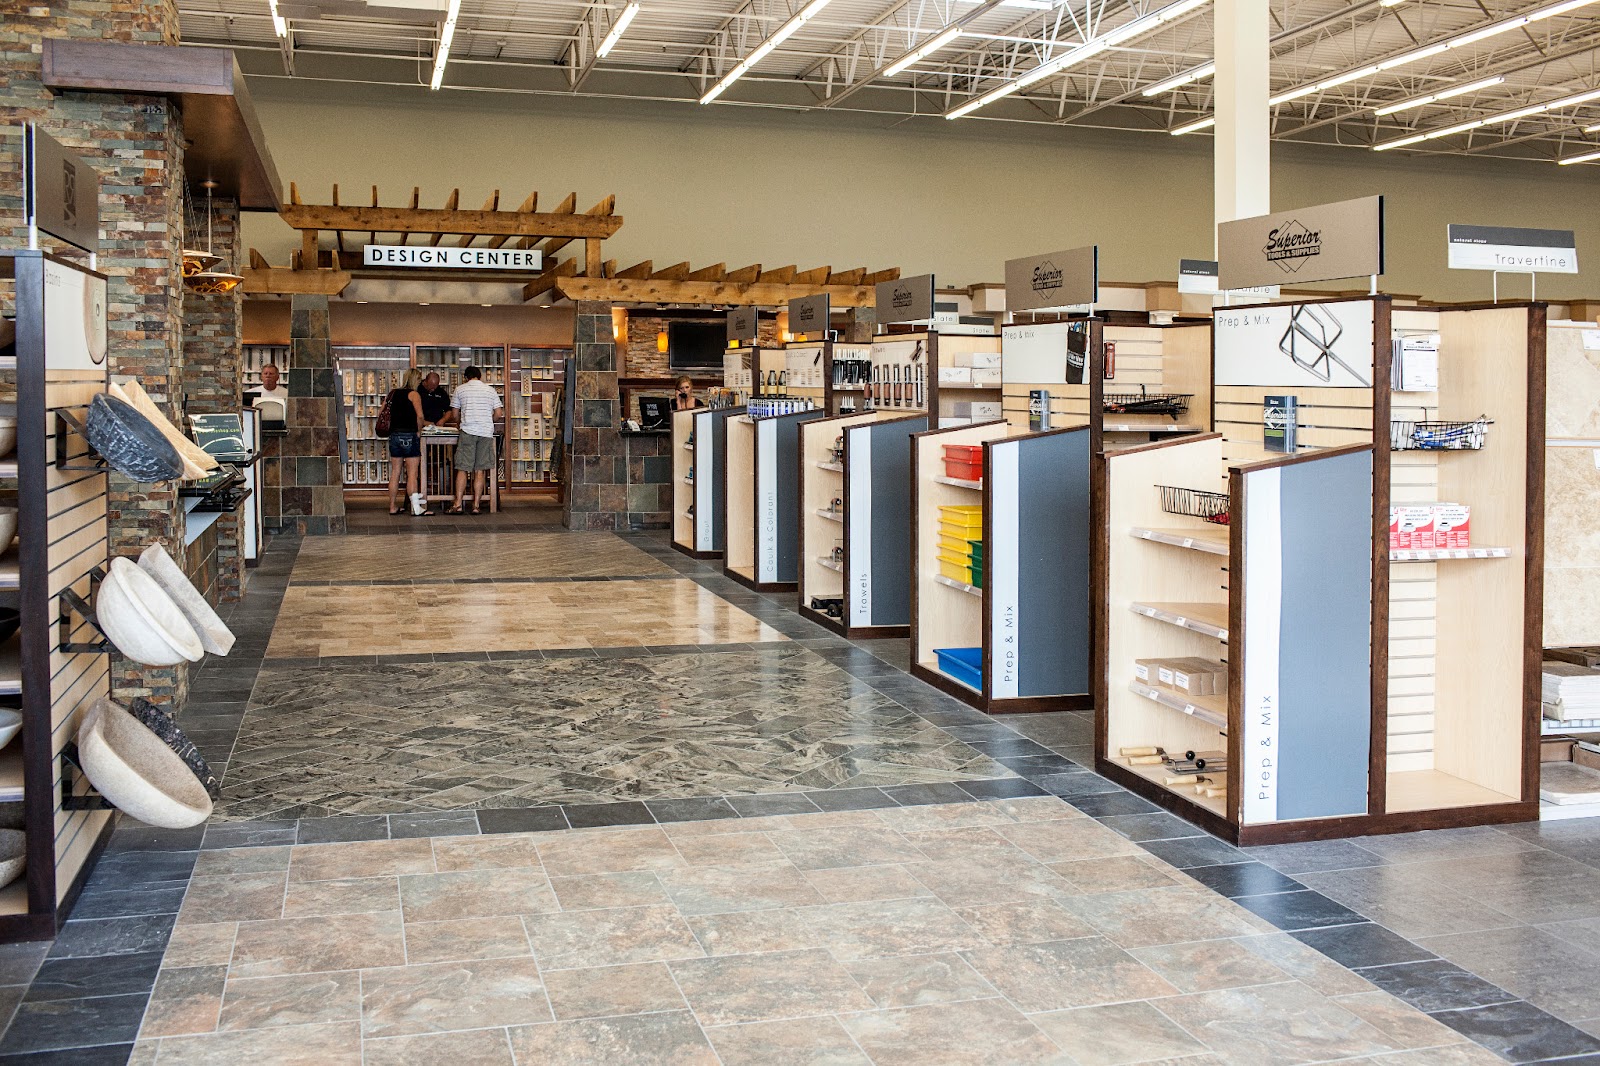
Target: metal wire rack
1211, 506
1438, 436
1143, 402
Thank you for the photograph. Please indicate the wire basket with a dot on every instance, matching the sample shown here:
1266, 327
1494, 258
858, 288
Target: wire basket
1438, 436
1171, 404
1211, 506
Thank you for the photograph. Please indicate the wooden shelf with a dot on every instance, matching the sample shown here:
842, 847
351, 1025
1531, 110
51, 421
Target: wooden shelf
957, 585
828, 564
1428, 555
14, 897
933, 665
1213, 709
1213, 539
963, 385
976, 486
11, 666
1129, 427
1211, 619
837, 468
8, 468
1427, 790
1157, 776
832, 516
10, 569
11, 772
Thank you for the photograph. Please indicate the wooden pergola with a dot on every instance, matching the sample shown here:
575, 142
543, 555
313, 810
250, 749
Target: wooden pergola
680, 283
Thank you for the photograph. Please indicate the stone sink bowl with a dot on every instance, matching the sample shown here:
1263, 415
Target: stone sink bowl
8, 527
215, 636
136, 771
130, 442
13, 855
142, 620
10, 725
8, 436
10, 622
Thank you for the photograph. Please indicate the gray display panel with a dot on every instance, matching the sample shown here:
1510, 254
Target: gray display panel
891, 518
1325, 637
719, 491
787, 485
1054, 616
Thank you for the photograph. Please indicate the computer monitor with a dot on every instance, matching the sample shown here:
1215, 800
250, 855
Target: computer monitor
655, 412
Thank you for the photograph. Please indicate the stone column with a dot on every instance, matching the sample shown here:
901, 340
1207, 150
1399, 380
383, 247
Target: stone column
136, 145
595, 478
211, 360
311, 481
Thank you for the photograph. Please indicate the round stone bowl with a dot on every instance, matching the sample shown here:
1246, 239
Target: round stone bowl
8, 527
135, 770
8, 436
130, 442
10, 622
10, 725
141, 619
13, 855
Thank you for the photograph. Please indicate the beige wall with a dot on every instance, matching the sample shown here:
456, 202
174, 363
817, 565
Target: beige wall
742, 185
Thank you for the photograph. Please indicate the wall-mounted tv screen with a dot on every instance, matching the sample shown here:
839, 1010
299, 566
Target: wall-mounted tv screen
695, 345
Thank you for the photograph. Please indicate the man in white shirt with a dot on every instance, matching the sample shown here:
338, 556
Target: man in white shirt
272, 399
478, 407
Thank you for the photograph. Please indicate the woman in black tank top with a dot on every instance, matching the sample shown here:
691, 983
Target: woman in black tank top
405, 443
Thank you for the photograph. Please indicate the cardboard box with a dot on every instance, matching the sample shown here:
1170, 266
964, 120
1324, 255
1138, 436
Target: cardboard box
986, 376
1394, 531
958, 375
1416, 526
986, 410
1452, 525
1200, 676
1145, 670
964, 359
986, 360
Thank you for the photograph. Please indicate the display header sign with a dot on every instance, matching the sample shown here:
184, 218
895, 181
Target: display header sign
1199, 276
63, 193
401, 255
1053, 281
905, 300
1523, 251
1323, 243
809, 315
743, 325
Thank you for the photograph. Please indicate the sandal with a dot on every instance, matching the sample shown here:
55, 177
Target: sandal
393, 511
423, 514
454, 508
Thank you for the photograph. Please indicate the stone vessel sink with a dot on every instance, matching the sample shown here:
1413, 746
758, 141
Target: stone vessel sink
130, 442
142, 620
136, 771
215, 636
13, 855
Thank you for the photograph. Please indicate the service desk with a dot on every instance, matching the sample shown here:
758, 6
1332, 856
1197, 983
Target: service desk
439, 467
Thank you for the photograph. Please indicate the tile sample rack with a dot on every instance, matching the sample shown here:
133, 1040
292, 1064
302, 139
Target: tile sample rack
699, 448
1445, 643
760, 475
1032, 616
61, 548
864, 462
367, 374
805, 370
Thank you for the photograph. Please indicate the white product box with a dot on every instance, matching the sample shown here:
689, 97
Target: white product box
986, 375
986, 360
1452, 525
960, 375
1416, 527
961, 409
946, 423
987, 409
964, 359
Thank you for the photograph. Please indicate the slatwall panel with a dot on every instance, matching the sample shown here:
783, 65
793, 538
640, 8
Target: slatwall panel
77, 510
1329, 418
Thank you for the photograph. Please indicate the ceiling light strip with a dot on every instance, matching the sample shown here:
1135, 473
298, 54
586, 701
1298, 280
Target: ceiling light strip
922, 51
1492, 120
1587, 157
781, 34
1199, 73
280, 26
1088, 49
1443, 94
617, 27
446, 35
1195, 127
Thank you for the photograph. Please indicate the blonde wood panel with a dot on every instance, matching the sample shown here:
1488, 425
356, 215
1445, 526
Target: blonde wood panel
818, 534
1142, 571
1186, 367
1353, 418
72, 517
1069, 404
682, 491
946, 617
740, 498
1483, 369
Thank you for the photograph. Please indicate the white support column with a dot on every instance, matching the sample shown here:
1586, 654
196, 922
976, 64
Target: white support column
1243, 167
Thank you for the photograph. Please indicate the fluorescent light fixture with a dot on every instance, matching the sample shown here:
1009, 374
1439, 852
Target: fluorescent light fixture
446, 35
1390, 3
279, 25
781, 34
1592, 129
1443, 94
617, 27
1195, 127
1494, 120
922, 51
1092, 47
1587, 157
1197, 74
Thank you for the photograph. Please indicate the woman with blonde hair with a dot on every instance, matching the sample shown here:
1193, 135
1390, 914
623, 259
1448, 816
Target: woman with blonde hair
405, 443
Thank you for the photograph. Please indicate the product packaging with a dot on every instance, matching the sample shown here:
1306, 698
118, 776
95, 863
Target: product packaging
985, 360
986, 376
959, 375
1452, 525
986, 410
1416, 526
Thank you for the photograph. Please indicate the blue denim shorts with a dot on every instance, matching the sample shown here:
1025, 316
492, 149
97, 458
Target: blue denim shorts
405, 446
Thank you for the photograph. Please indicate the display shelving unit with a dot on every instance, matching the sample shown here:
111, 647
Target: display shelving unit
699, 449
958, 403
367, 373
845, 397
761, 499
1031, 618
533, 417
1391, 690
863, 461
805, 370
255, 356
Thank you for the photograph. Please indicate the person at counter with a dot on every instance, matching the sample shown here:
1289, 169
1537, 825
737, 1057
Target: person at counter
478, 408
435, 402
684, 399
270, 398
405, 446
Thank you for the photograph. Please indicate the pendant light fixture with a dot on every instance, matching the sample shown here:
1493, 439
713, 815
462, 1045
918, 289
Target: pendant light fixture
207, 280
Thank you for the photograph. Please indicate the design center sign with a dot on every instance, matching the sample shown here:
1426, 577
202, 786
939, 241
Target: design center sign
401, 255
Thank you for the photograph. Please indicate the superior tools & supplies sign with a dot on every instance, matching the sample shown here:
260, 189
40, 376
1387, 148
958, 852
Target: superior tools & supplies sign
1522, 251
400, 255
1055, 280
1323, 243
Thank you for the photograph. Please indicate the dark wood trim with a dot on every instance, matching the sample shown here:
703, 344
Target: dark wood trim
70, 900
1020, 705
1378, 664
1189, 438
1533, 579
1094, 369
822, 620
1237, 578
1308, 456
760, 586
1182, 806
1100, 597
1383, 824
691, 553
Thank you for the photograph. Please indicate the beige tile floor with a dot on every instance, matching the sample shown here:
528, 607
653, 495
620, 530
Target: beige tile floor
965, 934
439, 556
320, 620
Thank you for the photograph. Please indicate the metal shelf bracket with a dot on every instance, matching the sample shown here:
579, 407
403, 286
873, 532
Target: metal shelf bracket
70, 801
68, 420
74, 604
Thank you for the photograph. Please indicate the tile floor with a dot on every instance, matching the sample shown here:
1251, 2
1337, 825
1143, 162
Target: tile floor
1037, 913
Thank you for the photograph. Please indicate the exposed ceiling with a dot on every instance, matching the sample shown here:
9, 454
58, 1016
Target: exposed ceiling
1514, 59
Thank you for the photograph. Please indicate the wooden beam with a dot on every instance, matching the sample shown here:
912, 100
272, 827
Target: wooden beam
294, 193
848, 277
482, 223
372, 237
675, 272
782, 275
529, 206
608, 269
491, 204
707, 293
416, 201
276, 281
818, 276
308, 249
892, 274
548, 280
710, 273
638, 270
258, 261
335, 194
603, 209
744, 275
591, 257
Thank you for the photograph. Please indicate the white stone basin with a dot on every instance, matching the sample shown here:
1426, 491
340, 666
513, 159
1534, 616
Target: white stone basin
142, 620
135, 770
8, 527
13, 855
8, 436
10, 725
215, 636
